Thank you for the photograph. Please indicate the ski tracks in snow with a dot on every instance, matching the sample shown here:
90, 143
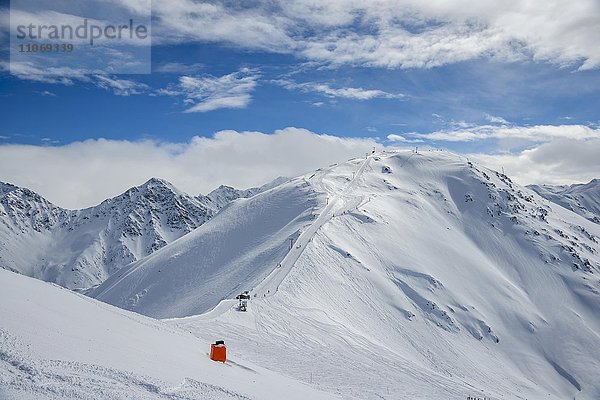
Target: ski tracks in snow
271, 283
22, 376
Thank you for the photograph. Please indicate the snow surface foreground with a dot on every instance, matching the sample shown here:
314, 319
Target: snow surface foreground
55, 345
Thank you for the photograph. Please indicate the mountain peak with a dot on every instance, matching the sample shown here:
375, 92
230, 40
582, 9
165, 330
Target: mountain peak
223, 187
7, 188
108, 236
157, 182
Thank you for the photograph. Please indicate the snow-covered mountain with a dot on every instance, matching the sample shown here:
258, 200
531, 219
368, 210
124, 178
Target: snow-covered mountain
224, 195
584, 199
399, 276
81, 248
237, 248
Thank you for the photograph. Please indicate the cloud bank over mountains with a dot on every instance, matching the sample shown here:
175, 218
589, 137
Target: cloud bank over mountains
82, 174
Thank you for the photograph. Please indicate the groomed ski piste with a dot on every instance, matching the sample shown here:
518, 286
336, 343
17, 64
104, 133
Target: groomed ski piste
269, 285
409, 276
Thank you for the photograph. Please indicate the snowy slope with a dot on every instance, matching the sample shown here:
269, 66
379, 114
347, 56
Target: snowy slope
224, 195
79, 249
419, 276
584, 199
237, 248
55, 344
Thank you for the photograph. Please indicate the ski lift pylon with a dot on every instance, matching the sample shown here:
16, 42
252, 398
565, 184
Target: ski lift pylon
243, 300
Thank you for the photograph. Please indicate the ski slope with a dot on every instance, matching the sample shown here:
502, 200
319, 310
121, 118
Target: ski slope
72, 347
246, 247
271, 283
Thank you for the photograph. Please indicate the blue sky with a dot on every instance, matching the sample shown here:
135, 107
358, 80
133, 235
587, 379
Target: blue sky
524, 93
470, 79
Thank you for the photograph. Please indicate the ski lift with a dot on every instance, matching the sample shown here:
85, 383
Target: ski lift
243, 300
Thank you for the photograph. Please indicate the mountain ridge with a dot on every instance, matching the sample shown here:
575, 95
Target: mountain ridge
581, 198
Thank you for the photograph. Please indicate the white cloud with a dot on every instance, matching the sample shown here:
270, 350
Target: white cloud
68, 76
537, 133
248, 27
562, 161
399, 138
30, 71
48, 141
385, 33
120, 87
392, 34
380, 33
178, 68
208, 93
84, 173
556, 154
496, 120
347, 92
